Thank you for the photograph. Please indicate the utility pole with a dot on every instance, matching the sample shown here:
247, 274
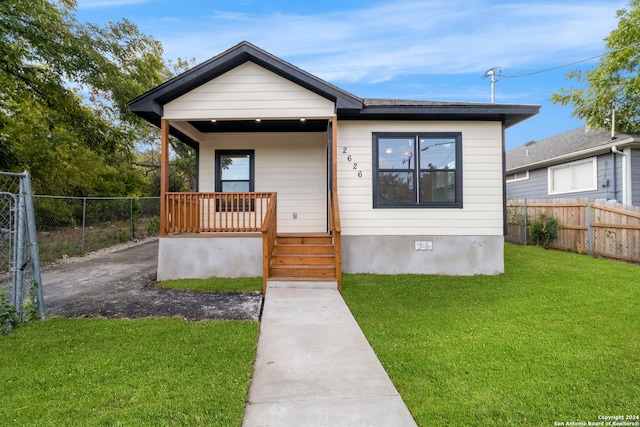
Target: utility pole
492, 73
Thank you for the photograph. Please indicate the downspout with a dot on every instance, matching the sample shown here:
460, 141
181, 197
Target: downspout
505, 225
614, 149
615, 176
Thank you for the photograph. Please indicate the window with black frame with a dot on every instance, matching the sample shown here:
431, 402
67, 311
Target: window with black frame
417, 170
234, 174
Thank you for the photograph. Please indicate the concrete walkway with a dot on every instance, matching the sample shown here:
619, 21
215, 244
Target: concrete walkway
314, 366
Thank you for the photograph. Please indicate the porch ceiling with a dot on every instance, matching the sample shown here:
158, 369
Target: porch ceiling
308, 125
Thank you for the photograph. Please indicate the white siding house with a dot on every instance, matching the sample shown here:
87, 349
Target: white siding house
386, 186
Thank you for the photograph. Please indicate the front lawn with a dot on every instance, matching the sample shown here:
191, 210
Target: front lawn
151, 372
556, 339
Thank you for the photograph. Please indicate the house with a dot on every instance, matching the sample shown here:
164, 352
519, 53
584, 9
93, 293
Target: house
585, 163
299, 178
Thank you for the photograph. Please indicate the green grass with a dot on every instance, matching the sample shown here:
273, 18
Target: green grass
554, 339
242, 284
151, 372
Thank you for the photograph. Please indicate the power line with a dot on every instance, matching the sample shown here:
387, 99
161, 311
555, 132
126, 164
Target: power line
568, 65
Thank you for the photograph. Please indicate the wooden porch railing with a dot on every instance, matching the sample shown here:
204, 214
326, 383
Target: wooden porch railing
241, 212
269, 232
216, 212
334, 227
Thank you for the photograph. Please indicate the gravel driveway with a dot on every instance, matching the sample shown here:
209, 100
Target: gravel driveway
120, 283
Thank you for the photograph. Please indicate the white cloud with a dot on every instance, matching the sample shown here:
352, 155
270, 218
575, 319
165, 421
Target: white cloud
410, 37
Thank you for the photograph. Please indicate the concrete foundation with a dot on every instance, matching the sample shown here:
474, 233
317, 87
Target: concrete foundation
444, 255
204, 257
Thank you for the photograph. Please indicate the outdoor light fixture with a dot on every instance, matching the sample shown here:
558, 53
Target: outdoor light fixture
302, 119
258, 120
213, 120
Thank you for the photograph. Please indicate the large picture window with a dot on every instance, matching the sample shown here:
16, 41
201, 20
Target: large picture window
573, 177
417, 170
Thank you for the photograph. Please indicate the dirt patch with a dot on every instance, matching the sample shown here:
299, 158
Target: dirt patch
120, 283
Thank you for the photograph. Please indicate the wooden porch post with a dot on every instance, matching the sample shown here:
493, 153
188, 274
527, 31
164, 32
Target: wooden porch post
334, 153
164, 174
335, 211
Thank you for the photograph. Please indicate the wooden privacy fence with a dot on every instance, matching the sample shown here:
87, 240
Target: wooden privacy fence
597, 227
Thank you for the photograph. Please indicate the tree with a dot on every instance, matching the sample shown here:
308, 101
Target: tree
182, 164
614, 82
63, 92
181, 167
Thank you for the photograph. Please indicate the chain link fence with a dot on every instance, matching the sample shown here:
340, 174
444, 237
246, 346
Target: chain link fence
20, 282
9, 190
48, 228
73, 226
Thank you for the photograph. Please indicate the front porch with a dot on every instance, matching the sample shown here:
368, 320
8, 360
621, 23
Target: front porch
236, 234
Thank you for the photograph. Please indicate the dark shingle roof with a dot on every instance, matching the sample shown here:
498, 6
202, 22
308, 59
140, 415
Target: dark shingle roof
382, 108
563, 144
413, 102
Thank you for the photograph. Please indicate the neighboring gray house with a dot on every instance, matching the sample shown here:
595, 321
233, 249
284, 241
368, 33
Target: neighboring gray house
579, 163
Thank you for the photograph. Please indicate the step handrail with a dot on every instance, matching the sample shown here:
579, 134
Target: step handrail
269, 231
336, 231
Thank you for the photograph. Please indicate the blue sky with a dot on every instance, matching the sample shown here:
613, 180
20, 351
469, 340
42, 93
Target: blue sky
423, 49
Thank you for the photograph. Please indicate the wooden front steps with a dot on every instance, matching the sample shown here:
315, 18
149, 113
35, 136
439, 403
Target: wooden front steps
309, 257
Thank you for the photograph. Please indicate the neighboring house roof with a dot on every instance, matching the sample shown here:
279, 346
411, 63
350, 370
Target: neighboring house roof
348, 106
564, 147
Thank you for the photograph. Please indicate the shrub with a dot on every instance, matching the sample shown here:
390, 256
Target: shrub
544, 229
122, 235
8, 316
153, 227
30, 306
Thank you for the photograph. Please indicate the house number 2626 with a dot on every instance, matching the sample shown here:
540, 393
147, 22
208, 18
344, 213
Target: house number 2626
354, 166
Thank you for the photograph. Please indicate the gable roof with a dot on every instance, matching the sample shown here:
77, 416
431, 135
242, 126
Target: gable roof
564, 147
149, 105
348, 106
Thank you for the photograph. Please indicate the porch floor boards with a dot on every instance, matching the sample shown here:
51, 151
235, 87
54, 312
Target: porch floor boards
308, 257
